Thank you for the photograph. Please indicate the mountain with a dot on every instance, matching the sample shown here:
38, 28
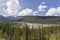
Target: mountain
11, 18
3, 19
40, 19
31, 19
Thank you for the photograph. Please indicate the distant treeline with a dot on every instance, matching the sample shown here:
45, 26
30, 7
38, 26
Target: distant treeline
14, 31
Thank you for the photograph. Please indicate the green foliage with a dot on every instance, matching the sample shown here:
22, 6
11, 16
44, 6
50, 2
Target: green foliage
13, 31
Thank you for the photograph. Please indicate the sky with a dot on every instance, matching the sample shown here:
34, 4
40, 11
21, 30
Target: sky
30, 7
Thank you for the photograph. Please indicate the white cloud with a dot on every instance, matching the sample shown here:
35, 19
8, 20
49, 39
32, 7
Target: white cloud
53, 12
13, 7
25, 12
43, 3
35, 13
42, 6
2, 2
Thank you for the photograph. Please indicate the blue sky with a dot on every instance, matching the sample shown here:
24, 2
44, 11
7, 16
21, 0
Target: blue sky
30, 7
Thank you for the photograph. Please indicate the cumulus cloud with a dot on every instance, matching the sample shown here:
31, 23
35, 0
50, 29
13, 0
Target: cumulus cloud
13, 7
35, 13
42, 6
25, 12
43, 3
2, 2
53, 12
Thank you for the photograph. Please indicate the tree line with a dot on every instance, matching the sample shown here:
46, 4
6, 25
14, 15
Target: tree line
13, 31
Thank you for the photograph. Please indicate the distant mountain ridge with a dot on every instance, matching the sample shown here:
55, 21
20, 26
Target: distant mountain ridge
41, 19
31, 19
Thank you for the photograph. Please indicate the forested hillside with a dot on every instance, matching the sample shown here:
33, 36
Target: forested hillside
21, 31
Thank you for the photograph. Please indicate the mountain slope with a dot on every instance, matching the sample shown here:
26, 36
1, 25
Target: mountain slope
40, 19
3, 19
31, 19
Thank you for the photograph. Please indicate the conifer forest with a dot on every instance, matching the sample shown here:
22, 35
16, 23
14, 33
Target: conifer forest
17, 31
